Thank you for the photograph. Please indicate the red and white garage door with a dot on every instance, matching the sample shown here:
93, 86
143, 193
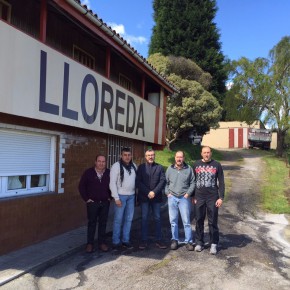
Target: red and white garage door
238, 137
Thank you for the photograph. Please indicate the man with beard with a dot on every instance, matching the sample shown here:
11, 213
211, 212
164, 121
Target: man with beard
150, 183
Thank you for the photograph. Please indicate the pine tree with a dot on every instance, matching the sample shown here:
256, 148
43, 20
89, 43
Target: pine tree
186, 28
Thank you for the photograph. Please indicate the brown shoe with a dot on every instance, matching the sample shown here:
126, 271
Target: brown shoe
103, 247
89, 248
174, 245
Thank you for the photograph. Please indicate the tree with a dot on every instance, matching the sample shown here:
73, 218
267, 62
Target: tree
263, 85
236, 107
186, 28
193, 106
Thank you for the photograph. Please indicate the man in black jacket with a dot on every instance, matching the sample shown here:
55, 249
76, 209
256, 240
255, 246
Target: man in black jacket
150, 182
209, 195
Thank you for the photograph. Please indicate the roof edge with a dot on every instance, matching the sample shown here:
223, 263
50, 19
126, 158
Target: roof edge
118, 39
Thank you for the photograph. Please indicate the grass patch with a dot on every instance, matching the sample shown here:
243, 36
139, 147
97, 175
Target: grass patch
192, 153
275, 187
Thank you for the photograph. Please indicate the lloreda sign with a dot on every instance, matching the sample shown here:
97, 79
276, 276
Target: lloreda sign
103, 96
41, 83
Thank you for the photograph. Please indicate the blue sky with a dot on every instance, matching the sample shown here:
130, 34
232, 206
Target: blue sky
249, 28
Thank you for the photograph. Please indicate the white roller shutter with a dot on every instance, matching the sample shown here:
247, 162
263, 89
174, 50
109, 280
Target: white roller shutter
23, 153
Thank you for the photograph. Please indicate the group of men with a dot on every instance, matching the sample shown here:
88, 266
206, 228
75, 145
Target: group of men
183, 185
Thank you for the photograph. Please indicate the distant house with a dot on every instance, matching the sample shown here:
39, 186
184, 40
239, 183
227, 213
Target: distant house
233, 135
70, 88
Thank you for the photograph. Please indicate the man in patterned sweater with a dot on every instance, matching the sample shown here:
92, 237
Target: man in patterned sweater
209, 194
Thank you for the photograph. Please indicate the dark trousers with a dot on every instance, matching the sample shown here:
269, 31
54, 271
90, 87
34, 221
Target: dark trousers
97, 212
206, 205
145, 210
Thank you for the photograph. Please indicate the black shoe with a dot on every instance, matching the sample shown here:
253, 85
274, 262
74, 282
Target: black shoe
160, 245
189, 247
174, 245
128, 245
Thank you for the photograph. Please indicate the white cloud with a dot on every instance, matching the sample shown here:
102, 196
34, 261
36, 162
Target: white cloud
120, 28
136, 39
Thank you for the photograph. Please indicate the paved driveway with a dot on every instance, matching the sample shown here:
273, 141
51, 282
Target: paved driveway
253, 253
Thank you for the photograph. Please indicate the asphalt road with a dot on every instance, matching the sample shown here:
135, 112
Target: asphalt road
252, 253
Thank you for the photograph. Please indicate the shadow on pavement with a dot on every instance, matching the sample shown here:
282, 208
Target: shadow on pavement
234, 241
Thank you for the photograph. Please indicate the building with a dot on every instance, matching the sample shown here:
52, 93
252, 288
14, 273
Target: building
233, 134
70, 88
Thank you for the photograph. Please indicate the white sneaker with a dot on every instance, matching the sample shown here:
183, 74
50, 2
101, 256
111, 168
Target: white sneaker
213, 249
198, 248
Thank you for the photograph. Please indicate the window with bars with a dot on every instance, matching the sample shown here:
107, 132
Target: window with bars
125, 82
5, 11
83, 57
115, 144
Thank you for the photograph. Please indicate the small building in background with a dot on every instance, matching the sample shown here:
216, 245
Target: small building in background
233, 134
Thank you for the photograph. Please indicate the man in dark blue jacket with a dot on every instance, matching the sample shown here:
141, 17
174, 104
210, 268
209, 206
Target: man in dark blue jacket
150, 182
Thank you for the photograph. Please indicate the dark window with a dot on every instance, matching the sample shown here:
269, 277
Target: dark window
83, 57
5, 10
125, 82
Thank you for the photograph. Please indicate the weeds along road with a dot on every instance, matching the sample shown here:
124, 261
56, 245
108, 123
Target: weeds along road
252, 254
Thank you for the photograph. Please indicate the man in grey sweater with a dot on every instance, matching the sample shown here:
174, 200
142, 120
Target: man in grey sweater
179, 188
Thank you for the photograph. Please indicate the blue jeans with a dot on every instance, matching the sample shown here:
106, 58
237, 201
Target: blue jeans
145, 209
123, 217
182, 205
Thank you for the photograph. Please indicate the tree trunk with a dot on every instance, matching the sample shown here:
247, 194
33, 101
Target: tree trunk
169, 142
174, 135
280, 142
